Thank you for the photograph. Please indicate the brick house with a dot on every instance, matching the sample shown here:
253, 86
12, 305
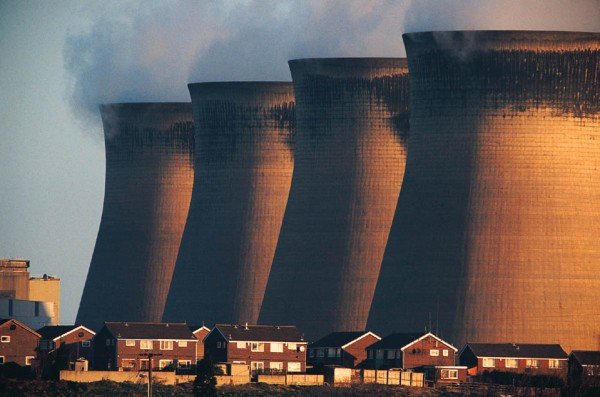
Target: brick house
18, 342
200, 333
535, 359
410, 350
584, 368
76, 339
346, 349
125, 345
265, 348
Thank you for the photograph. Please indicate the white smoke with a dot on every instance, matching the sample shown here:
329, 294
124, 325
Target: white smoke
141, 51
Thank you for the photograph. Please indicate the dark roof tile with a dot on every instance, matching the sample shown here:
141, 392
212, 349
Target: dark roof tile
338, 339
135, 330
517, 350
587, 357
274, 333
397, 341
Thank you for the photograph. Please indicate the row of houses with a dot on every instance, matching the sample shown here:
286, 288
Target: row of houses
273, 349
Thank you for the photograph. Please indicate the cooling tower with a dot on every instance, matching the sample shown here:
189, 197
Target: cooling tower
244, 169
149, 179
352, 122
497, 234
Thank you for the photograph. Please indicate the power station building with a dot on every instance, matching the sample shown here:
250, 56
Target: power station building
349, 155
149, 178
497, 233
244, 164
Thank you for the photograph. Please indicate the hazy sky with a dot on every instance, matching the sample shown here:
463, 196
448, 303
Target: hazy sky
59, 59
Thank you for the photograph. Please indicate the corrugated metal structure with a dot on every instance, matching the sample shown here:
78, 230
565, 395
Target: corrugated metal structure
497, 236
352, 124
244, 166
149, 179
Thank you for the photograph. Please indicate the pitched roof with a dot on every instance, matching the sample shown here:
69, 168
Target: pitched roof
272, 333
17, 322
397, 341
134, 330
517, 350
195, 328
338, 339
587, 357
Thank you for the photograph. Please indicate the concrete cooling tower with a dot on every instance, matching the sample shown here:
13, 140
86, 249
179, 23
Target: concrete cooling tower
149, 179
244, 169
497, 237
352, 124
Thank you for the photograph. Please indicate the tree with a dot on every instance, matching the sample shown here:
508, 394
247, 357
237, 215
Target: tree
205, 384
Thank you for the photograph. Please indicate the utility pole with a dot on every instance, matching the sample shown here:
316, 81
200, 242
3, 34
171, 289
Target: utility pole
150, 355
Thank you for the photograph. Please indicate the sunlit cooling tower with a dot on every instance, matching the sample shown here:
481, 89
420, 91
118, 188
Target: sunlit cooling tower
244, 166
497, 237
149, 178
352, 123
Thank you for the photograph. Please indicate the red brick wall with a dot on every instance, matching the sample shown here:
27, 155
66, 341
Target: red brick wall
288, 355
73, 344
200, 335
133, 352
419, 354
22, 343
356, 353
542, 369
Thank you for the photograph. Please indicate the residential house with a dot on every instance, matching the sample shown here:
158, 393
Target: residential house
200, 333
18, 342
266, 348
547, 359
410, 350
346, 349
584, 368
127, 346
74, 340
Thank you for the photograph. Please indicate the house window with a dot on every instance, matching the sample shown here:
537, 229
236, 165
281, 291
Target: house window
257, 367
331, 352
445, 352
277, 366
218, 345
108, 342
554, 364
277, 347
5, 339
338, 353
85, 343
46, 345
182, 343
434, 352
144, 364
449, 374
128, 364
166, 345
241, 345
320, 352
146, 344
184, 364
531, 363
292, 346
370, 354
28, 359
311, 353
489, 363
1, 359
129, 342
162, 364
257, 347
239, 362
511, 363
294, 367
380, 354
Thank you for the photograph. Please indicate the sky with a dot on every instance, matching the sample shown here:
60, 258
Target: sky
60, 59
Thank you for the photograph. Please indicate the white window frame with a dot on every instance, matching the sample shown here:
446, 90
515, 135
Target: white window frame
379, 354
488, 362
162, 364
278, 365
182, 343
331, 352
258, 347
5, 339
166, 345
146, 344
129, 342
241, 345
292, 346
86, 343
276, 347
292, 365
28, 359
188, 364
445, 352
129, 361
257, 366
144, 364
532, 363
513, 361
449, 374
554, 364
434, 352
218, 344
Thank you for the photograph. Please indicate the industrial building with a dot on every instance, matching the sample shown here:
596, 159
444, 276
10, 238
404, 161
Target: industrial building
149, 178
496, 236
244, 166
349, 155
